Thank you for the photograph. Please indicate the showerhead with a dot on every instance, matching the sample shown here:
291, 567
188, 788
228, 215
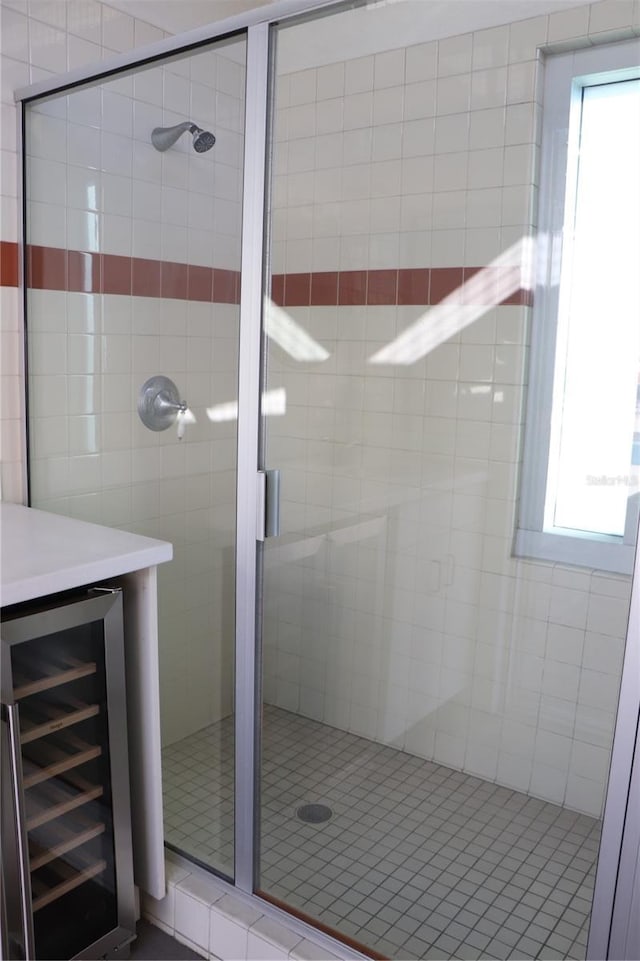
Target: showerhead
202, 140
164, 137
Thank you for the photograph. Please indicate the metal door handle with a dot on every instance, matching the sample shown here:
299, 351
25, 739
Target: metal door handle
268, 504
24, 874
272, 504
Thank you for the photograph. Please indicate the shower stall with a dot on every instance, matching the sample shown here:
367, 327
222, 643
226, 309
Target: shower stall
380, 711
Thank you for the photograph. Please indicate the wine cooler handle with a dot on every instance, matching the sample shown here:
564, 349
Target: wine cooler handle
24, 875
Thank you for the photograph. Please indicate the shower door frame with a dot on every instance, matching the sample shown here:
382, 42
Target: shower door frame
612, 908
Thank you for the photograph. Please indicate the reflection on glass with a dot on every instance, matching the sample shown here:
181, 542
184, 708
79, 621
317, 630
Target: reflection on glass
274, 402
289, 335
491, 285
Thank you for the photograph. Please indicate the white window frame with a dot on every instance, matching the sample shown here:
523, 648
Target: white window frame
566, 75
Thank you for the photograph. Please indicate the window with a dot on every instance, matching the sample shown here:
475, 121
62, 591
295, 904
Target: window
581, 472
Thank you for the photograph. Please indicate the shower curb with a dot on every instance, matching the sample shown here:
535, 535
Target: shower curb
214, 919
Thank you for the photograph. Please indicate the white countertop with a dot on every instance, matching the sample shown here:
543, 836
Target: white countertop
45, 553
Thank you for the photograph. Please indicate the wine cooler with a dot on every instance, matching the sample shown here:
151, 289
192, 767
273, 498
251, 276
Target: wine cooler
67, 876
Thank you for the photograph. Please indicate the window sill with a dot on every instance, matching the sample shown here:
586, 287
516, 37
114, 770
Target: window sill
609, 554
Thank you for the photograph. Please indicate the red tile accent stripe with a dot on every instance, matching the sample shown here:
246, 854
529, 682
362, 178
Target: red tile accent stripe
115, 277
324, 288
352, 287
382, 287
51, 268
8, 264
415, 286
46, 268
145, 277
199, 283
84, 271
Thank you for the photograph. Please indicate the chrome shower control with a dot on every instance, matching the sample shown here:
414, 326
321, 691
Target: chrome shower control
159, 403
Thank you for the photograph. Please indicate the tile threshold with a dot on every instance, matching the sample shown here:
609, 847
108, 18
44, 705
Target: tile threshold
215, 920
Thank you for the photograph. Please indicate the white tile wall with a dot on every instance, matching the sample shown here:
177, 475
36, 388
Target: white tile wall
124, 198
394, 607
36, 41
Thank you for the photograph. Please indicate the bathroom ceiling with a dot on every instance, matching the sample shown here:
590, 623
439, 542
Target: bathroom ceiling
175, 16
389, 24
438, 18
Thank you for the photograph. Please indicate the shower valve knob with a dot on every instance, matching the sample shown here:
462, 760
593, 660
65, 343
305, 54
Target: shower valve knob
159, 405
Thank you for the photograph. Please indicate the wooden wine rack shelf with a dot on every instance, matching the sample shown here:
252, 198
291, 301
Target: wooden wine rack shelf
54, 800
61, 841
69, 879
46, 760
59, 846
55, 717
54, 673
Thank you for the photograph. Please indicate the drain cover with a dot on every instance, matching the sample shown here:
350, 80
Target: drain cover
314, 813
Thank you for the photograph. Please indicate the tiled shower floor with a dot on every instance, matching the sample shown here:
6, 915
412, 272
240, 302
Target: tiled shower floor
418, 860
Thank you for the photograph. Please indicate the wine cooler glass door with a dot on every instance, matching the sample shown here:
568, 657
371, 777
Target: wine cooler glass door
68, 760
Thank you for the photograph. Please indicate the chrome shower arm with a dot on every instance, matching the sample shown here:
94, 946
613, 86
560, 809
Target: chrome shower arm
164, 137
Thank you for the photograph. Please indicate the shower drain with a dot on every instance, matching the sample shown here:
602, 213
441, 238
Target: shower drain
314, 813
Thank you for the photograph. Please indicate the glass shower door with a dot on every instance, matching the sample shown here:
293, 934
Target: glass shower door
133, 271
438, 712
